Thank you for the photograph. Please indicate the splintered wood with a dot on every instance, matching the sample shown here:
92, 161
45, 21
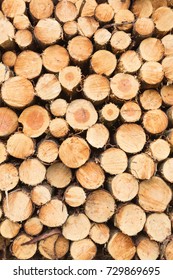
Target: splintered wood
86, 129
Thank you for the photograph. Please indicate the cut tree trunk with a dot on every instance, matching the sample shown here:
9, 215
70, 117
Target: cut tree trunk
21, 22
48, 87
147, 249
9, 229
21, 251
58, 175
12, 8
150, 99
84, 249
8, 182
99, 233
142, 166
124, 20
9, 121
130, 112
41, 194
75, 196
33, 226
129, 62
47, 151
97, 135
3, 153
9, 58
103, 62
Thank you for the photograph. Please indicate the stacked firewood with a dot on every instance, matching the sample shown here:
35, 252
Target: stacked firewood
86, 129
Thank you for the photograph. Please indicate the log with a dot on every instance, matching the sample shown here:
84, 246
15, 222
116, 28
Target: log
154, 195
87, 8
9, 58
84, 249
147, 249
120, 41
130, 138
151, 49
58, 107
168, 251
24, 39
58, 175
65, 11
87, 26
142, 166
103, 62
9, 121
46, 247
109, 114
129, 62
158, 226
90, 175
7, 31
119, 5
9, 177
76, 227
58, 127
124, 20
150, 99
163, 19
169, 113
97, 135
99, 206
53, 214
11, 206
5, 73
130, 219
9, 229
167, 42
33, 226
3, 152
130, 112
159, 149
121, 246
61, 247
166, 169
151, 74
41, 194
169, 137
74, 196
21, 22
159, 3
143, 28
70, 78
17, 92
70, 29
99, 233
155, 121
166, 95
101, 38
11, 8
104, 13
166, 64
80, 54
47, 151
124, 86
21, 251
124, 187
41, 9
142, 8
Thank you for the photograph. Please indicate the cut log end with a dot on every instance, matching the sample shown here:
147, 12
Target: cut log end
147, 249
41, 194
48, 87
33, 226
142, 166
97, 135
47, 151
23, 252
74, 196
99, 233
83, 249
58, 175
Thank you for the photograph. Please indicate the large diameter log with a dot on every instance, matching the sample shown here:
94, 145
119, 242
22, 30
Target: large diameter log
80, 49
151, 49
33, 226
58, 175
142, 166
9, 121
46, 247
142, 8
151, 73
9, 229
99, 233
163, 19
61, 247
7, 34
103, 62
104, 13
53, 214
75, 196
124, 20
9, 177
154, 195
84, 249
21, 251
47, 151
11, 8
143, 28
41, 194
147, 249
159, 149
129, 62
65, 11
121, 246
155, 121
48, 87
150, 99
101, 38
167, 169
120, 41
97, 135
41, 9
3, 152
99, 206
21, 22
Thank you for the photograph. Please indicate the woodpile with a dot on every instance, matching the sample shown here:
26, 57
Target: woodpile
86, 129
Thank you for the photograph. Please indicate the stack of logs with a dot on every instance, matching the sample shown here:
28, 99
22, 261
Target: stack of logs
86, 129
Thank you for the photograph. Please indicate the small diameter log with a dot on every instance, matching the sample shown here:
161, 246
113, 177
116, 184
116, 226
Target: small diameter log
147, 249
58, 107
124, 20
28, 64
129, 62
80, 48
9, 58
87, 26
47, 151
167, 42
65, 11
103, 62
74, 152
9, 121
70, 77
99, 206
167, 170
130, 219
48, 87
5, 73
32, 172
159, 149
53, 214
46, 247
35, 121
97, 135
142, 166
55, 58
150, 99
121, 246
151, 49
142, 8
167, 95
124, 86
17, 206
74, 196
33, 226
114, 161
81, 114
167, 64
119, 5
109, 113
90, 175
24, 39
84, 249
163, 19
168, 251
158, 226
155, 121
11, 8
88, 7
21, 22
130, 138
70, 29
120, 41
9, 177
41, 194
9, 229
124, 187
151, 73
104, 13
61, 247
3, 153
154, 195
59, 175
130, 112
76, 227
41, 9
101, 38
99, 233
20, 146
7, 33
48, 31
143, 28
17, 92
21, 251
58, 127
